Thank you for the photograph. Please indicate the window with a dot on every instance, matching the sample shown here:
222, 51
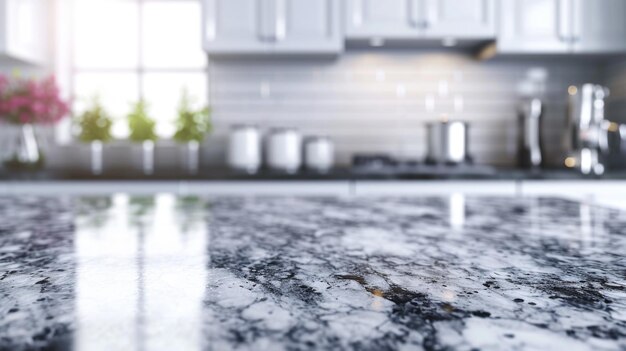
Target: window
126, 50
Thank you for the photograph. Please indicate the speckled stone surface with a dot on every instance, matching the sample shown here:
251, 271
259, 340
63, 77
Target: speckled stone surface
438, 273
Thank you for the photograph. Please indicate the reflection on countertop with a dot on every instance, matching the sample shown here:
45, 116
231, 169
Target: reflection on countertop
271, 273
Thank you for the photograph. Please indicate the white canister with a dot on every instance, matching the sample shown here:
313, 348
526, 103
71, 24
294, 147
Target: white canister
319, 154
284, 150
244, 148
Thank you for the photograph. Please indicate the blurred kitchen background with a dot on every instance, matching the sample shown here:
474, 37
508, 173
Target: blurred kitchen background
366, 74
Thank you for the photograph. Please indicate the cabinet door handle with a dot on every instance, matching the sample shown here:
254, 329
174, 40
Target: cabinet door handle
280, 24
357, 12
272, 20
262, 18
416, 17
209, 7
564, 16
417, 14
576, 20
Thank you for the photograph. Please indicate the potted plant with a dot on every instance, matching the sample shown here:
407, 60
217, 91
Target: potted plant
192, 125
95, 128
142, 127
23, 104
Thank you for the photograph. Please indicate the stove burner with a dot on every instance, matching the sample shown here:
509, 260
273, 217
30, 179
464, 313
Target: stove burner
381, 164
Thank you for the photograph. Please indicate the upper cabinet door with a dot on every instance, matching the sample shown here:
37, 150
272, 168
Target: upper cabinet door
239, 27
535, 26
466, 19
396, 19
235, 26
308, 26
23, 34
599, 26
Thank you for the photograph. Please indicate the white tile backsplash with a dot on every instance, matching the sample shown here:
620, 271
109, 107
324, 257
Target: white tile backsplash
379, 102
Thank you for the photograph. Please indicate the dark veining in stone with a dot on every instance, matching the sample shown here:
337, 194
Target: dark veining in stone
335, 274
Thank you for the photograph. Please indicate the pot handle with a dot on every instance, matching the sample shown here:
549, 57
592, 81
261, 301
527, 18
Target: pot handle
612, 127
603, 137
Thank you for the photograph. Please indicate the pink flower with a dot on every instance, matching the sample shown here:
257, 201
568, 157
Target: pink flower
14, 103
38, 108
31, 101
4, 83
24, 118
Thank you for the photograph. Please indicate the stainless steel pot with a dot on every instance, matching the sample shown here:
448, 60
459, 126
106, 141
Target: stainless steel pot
530, 143
588, 130
447, 142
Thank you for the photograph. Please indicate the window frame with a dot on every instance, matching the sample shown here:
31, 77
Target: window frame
66, 69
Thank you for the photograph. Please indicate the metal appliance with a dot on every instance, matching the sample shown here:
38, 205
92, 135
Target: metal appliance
529, 148
587, 137
244, 148
387, 166
284, 150
448, 142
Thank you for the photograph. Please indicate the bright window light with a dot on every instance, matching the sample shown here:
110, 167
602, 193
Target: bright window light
163, 90
151, 50
172, 35
105, 34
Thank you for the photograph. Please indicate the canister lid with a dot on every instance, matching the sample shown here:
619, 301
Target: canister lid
277, 130
314, 138
243, 126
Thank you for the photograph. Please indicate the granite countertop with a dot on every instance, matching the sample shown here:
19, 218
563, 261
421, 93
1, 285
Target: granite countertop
171, 273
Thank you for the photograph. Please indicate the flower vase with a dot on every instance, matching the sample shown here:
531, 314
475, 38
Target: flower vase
96, 157
23, 152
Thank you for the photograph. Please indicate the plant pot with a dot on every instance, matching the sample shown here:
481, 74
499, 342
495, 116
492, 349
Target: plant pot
147, 157
96, 157
191, 157
23, 152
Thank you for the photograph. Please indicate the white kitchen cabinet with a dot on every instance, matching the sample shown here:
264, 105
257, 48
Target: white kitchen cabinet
233, 26
310, 26
599, 26
420, 19
23, 30
272, 26
467, 19
562, 26
534, 26
397, 19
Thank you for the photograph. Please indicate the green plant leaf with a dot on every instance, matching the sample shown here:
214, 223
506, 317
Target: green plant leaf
141, 125
191, 124
95, 124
